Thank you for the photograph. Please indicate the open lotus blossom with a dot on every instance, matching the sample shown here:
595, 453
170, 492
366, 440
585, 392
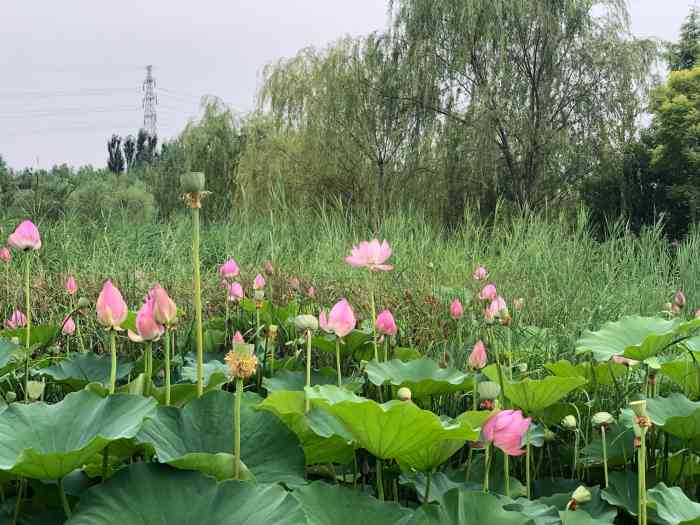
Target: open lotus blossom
229, 270
16, 320
624, 360
340, 321
111, 308
268, 268
679, 298
505, 430
147, 328
235, 292
5, 255
480, 273
164, 308
259, 282
456, 310
238, 338
385, 324
68, 326
477, 358
488, 293
71, 286
25, 237
370, 254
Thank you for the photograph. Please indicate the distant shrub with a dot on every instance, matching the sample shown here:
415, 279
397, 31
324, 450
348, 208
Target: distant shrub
112, 197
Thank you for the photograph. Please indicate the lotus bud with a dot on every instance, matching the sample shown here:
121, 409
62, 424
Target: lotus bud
488, 390
600, 419
311, 292
35, 389
480, 274
192, 182
581, 495
679, 298
549, 435
456, 310
268, 268
306, 322
68, 328
71, 286
569, 422
238, 338
404, 394
5, 255
10, 397
25, 237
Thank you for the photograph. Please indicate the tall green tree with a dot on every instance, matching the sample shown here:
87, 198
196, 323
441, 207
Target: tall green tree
684, 53
115, 162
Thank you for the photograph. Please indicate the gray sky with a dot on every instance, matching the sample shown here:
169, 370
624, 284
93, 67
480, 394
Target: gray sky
72, 69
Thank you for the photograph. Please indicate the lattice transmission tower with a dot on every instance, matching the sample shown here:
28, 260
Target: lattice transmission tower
150, 100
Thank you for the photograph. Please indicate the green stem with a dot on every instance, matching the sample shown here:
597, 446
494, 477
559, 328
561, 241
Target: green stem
105, 463
374, 325
113, 372
237, 428
79, 334
308, 368
64, 499
28, 305
20, 494
272, 353
148, 368
574, 465
642, 478
226, 318
506, 473
487, 467
528, 481
426, 499
605, 455
199, 338
386, 348
167, 368
380, 481
337, 361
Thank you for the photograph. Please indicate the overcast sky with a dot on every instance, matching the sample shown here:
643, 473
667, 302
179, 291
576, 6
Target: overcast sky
71, 70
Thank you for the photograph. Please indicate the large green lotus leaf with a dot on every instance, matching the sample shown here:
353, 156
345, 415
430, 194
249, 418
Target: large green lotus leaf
623, 492
393, 430
441, 483
534, 396
296, 380
581, 517
634, 337
423, 376
676, 414
49, 441
40, 335
460, 508
201, 436
538, 512
597, 508
684, 373
214, 371
619, 442
80, 369
8, 351
602, 374
152, 494
325, 504
673, 506
326, 447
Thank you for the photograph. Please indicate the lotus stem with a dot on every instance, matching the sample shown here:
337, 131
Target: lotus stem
374, 325
426, 499
27, 269
113, 372
641, 467
487, 467
167, 368
380, 481
226, 318
506, 473
574, 463
308, 368
272, 354
386, 348
64, 499
528, 482
105, 463
337, 361
605, 455
237, 428
148, 367
199, 339
20, 494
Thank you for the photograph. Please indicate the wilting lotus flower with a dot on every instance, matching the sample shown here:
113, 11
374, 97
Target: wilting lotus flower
71, 286
238, 338
25, 237
111, 308
505, 430
385, 324
480, 273
68, 326
5, 255
164, 308
456, 310
679, 298
370, 254
497, 307
235, 292
268, 268
259, 282
16, 320
294, 283
488, 293
340, 320
229, 270
147, 327
477, 359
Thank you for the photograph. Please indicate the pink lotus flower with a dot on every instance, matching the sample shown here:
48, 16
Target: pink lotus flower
16, 320
235, 292
370, 254
679, 299
498, 307
480, 273
675, 309
340, 321
71, 286
147, 327
294, 283
624, 360
164, 308
259, 282
238, 338
385, 324
478, 358
488, 293
111, 308
25, 237
68, 326
505, 430
229, 270
268, 268
311, 292
456, 310
5, 255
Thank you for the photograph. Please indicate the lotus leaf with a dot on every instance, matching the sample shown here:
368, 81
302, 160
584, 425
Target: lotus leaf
79, 369
676, 414
423, 376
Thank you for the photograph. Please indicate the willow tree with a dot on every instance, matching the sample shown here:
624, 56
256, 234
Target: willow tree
549, 83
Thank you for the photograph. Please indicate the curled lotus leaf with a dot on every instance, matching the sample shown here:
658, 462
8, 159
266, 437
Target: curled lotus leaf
423, 376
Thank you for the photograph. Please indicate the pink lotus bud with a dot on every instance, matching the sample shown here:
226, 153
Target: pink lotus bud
68, 326
259, 282
679, 299
229, 270
111, 308
505, 430
340, 321
5, 255
147, 327
238, 338
480, 274
268, 268
385, 323
16, 320
518, 303
497, 308
675, 309
235, 292
456, 310
71, 287
370, 254
478, 358
164, 308
488, 293
294, 283
311, 292
25, 237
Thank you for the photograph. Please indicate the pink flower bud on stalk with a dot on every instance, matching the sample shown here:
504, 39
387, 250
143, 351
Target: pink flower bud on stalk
385, 323
488, 293
679, 299
497, 308
25, 237
229, 270
68, 326
370, 254
164, 308
235, 292
16, 320
148, 329
268, 268
111, 308
71, 286
480, 274
340, 321
311, 292
5, 255
259, 282
456, 310
505, 430
238, 338
477, 358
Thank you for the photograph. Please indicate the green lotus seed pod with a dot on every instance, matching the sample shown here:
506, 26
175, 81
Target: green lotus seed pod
569, 422
35, 389
192, 182
639, 407
404, 394
306, 322
602, 418
489, 390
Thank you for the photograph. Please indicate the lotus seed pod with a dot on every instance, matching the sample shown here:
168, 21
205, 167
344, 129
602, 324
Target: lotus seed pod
35, 389
602, 418
10, 397
306, 322
549, 435
241, 361
569, 422
404, 394
639, 407
192, 182
522, 367
488, 390
581, 495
